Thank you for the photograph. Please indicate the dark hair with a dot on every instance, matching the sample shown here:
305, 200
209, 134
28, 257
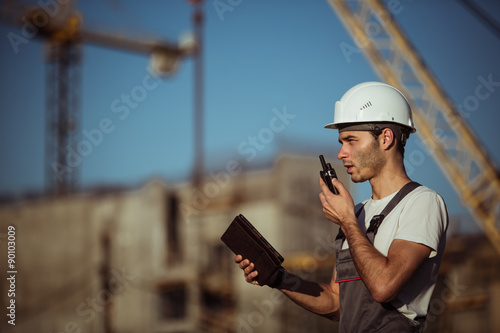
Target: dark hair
398, 133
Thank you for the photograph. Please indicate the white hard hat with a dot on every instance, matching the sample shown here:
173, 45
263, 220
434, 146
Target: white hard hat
372, 103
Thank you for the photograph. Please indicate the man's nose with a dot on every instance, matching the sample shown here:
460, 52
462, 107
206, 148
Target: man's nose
342, 153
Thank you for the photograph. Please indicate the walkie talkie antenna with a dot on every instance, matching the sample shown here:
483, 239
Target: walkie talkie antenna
323, 163
327, 174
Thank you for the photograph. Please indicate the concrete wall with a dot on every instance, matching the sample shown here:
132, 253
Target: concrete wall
86, 263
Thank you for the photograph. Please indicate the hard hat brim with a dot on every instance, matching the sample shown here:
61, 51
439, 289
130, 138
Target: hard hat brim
365, 126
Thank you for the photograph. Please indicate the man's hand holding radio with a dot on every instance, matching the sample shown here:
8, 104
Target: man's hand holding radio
338, 208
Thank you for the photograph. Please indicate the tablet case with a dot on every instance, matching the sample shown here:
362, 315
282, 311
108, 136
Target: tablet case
242, 238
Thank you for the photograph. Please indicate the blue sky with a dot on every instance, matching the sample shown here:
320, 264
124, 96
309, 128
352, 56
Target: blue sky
261, 58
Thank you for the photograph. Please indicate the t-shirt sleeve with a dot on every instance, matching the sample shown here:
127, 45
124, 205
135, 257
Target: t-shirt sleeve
424, 220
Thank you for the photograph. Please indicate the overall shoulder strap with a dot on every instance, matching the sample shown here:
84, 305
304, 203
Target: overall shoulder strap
376, 221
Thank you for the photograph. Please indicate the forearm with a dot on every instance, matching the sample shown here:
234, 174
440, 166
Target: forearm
371, 265
383, 275
315, 297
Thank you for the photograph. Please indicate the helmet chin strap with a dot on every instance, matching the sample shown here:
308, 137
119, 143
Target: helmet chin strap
398, 131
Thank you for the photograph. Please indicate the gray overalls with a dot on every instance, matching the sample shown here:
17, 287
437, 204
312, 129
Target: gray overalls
359, 312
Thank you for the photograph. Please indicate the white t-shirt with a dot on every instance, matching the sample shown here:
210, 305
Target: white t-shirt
421, 217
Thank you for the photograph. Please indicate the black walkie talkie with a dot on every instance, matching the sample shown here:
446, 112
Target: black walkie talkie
327, 174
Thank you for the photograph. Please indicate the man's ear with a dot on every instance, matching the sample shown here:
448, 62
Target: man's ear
387, 138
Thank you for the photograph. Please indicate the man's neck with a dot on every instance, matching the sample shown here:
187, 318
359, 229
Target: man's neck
388, 182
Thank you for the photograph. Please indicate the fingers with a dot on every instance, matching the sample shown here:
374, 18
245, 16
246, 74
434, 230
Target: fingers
324, 188
243, 263
323, 185
248, 269
325, 191
250, 278
329, 200
340, 186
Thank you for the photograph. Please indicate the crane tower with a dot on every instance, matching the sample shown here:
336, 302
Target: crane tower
445, 133
60, 26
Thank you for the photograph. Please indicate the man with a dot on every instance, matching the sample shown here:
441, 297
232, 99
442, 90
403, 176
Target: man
389, 247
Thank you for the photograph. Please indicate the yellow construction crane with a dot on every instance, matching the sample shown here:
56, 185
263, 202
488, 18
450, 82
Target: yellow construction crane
449, 139
60, 26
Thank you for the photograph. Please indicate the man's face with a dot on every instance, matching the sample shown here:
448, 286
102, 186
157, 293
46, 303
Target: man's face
361, 155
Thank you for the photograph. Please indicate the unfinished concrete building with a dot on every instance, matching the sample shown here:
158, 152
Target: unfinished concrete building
150, 259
